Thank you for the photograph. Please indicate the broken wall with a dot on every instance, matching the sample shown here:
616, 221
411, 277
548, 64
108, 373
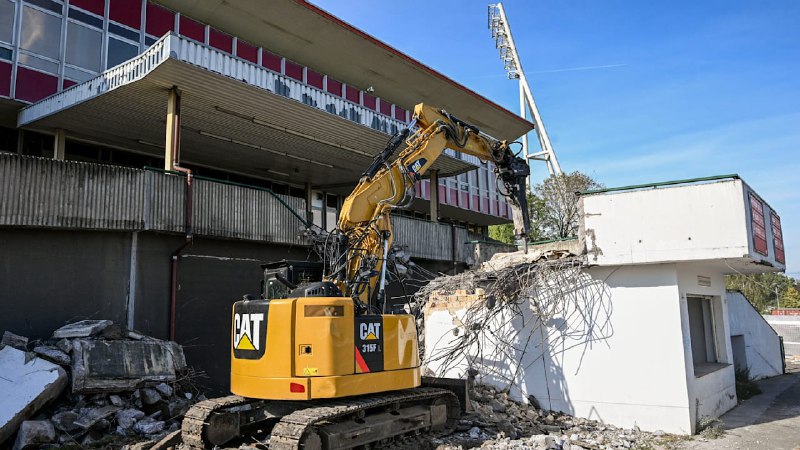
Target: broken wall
618, 357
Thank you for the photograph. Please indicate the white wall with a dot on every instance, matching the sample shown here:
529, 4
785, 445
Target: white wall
715, 393
762, 344
621, 361
670, 224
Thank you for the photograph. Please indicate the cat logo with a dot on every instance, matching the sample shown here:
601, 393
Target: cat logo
415, 167
246, 329
370, 331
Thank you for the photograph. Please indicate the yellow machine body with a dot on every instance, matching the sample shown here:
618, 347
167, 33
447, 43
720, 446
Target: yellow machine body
316, 347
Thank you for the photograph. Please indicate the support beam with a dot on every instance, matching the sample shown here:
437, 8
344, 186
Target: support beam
59, 143
434, 195
172, 147
309, 203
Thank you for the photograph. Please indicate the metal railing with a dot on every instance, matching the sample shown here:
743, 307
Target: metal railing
211, 59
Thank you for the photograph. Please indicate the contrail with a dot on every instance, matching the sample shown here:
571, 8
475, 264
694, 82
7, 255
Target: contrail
575, 69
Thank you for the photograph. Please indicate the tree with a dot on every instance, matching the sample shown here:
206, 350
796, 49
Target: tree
791, 299
553, 208
505, 232
762, 289
558, 193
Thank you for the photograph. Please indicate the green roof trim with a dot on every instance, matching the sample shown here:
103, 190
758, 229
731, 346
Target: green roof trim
733, 176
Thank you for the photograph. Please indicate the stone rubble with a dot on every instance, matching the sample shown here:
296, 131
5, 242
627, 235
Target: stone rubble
499, 423
137, 405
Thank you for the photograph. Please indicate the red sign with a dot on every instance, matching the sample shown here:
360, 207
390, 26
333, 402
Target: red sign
777, 238
757, 221
786, 312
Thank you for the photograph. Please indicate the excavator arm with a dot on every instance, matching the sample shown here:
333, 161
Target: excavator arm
366, 233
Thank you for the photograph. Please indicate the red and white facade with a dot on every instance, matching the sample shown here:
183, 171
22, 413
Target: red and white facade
49, 47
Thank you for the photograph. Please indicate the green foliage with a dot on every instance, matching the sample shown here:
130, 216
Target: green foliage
745, 385
503, 232
791, 299
553, 208
762, 289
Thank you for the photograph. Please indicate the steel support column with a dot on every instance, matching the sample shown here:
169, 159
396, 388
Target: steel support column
172, 147
59, 141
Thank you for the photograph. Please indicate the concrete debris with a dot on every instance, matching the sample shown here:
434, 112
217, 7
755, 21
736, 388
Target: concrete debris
25, 387
65, 345
127, 387
33, 433
65, 421
84, 328
127, 417
14, 340
149, 396
53, 354
164, 389
499, 423
149, 426
122, 365
94, 415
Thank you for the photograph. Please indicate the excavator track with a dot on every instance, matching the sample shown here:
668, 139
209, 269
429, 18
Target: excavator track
332, 424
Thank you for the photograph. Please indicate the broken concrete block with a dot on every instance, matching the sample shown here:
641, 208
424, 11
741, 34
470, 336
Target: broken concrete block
149, 426
65, 421
149, 396
116, 400
84, 328
113, 366
94, 415
164, 389
33, 433
65, 345
25, 387
53, 354
126, 418
14, 340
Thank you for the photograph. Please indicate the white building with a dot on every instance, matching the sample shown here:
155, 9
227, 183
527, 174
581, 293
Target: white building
649, 342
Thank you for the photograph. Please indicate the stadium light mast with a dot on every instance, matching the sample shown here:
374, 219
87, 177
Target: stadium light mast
501, 33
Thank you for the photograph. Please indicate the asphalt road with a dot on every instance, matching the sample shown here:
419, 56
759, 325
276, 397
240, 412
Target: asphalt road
768, 421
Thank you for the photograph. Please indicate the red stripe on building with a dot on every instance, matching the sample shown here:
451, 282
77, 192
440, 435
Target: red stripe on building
192, 29
220, 40
126, 12
160, 20
313, 78
247, 51
33, 86
95, 6
334, 87
352, 94
5, 79
294, 70
271, 61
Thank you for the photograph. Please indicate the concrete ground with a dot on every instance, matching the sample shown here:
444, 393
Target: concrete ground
770, 420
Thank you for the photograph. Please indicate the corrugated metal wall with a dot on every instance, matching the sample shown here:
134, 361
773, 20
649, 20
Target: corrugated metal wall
41, 192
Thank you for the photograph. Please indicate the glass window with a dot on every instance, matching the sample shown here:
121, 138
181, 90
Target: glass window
77, 75
83, 47
120, 51
41, 32
38, 63
6, 21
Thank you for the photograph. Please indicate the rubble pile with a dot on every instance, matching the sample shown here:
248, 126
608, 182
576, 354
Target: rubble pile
498, 422
99, 385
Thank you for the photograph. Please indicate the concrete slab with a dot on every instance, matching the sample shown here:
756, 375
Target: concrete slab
25, 387
113, 366
84, 328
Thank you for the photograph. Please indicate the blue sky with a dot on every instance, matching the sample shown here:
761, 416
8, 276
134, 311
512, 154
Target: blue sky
631, 91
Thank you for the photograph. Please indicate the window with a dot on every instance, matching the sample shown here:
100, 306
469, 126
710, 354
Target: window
120, 51
83, 44
702, 334
41, 32
6, 21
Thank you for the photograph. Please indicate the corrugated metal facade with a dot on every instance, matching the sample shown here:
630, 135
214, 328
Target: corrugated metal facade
40, 192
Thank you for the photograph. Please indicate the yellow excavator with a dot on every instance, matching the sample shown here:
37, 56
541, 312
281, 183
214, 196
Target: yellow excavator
324, 366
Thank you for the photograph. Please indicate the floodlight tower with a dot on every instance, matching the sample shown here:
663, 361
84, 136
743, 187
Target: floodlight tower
501, 33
